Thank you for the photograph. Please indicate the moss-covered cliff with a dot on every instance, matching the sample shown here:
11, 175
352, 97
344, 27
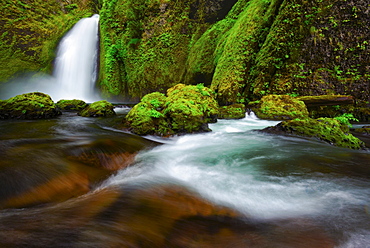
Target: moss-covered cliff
30, 31
242, 49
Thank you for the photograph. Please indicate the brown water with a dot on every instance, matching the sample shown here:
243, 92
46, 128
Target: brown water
81, 182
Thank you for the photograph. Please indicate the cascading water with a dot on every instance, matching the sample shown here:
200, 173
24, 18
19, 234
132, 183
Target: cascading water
76, 62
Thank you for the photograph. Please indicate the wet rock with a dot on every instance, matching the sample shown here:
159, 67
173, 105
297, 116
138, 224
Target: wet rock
73, 105
325, 129
234, 111
98, 109
280, 107
34, 105
186, 109
151, 215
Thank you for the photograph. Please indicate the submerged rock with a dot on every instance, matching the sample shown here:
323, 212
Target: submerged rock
234, 111
280, 107
98, 109
326, 129
74, 105
186, 109
35, 105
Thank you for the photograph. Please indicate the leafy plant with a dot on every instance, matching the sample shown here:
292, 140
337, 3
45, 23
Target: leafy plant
346, 118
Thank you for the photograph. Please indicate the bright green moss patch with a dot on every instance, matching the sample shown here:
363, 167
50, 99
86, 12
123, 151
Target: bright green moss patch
71, 104
186, 109
234, 111
280, 107
34, 105
325, 129
98, 109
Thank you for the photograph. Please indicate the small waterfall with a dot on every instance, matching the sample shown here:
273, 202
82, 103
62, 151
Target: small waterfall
76, 62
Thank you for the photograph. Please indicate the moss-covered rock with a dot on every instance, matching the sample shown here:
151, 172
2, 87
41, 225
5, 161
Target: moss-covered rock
34, 105
186, 109
280, 107
234, 111
74, 105
98, 109
329, 130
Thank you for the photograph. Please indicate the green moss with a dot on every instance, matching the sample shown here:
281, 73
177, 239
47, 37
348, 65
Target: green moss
280, 107
326, 129
234, 111
34, 105
98, 109
186, 109
71, 104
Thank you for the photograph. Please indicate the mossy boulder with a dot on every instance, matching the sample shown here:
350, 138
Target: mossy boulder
280, 107
74, 105
329, 130
98, 109
234, 111
35, 105
186, 109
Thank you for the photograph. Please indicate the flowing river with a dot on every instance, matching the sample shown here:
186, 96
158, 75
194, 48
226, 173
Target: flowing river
232, 187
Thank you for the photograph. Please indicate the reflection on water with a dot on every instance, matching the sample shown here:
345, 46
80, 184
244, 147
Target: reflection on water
234, 186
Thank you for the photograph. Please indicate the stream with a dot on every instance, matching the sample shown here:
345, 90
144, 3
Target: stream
233, 187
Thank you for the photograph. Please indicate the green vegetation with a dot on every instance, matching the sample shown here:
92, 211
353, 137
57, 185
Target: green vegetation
71, 104
186, 109
30, 32
98, 109
34, 105
234, 111
326, 129
280, 107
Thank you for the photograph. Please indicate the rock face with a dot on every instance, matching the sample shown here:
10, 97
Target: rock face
73, 105
34, 105
186, 109
325, 129
280, 107
98, 109
244, 50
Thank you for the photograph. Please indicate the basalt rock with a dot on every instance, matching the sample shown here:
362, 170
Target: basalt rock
34, 105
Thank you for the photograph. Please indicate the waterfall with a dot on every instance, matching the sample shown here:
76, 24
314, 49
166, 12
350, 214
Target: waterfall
76, 61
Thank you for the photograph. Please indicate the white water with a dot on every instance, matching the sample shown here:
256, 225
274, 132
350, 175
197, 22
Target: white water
76, 62
260, 175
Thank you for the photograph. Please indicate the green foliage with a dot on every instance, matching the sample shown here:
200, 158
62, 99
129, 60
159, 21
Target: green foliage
346, 118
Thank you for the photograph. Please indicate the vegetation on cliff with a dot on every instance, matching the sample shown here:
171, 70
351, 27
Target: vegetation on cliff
186, 109
31, 30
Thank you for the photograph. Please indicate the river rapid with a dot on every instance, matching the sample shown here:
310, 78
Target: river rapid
267, 180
